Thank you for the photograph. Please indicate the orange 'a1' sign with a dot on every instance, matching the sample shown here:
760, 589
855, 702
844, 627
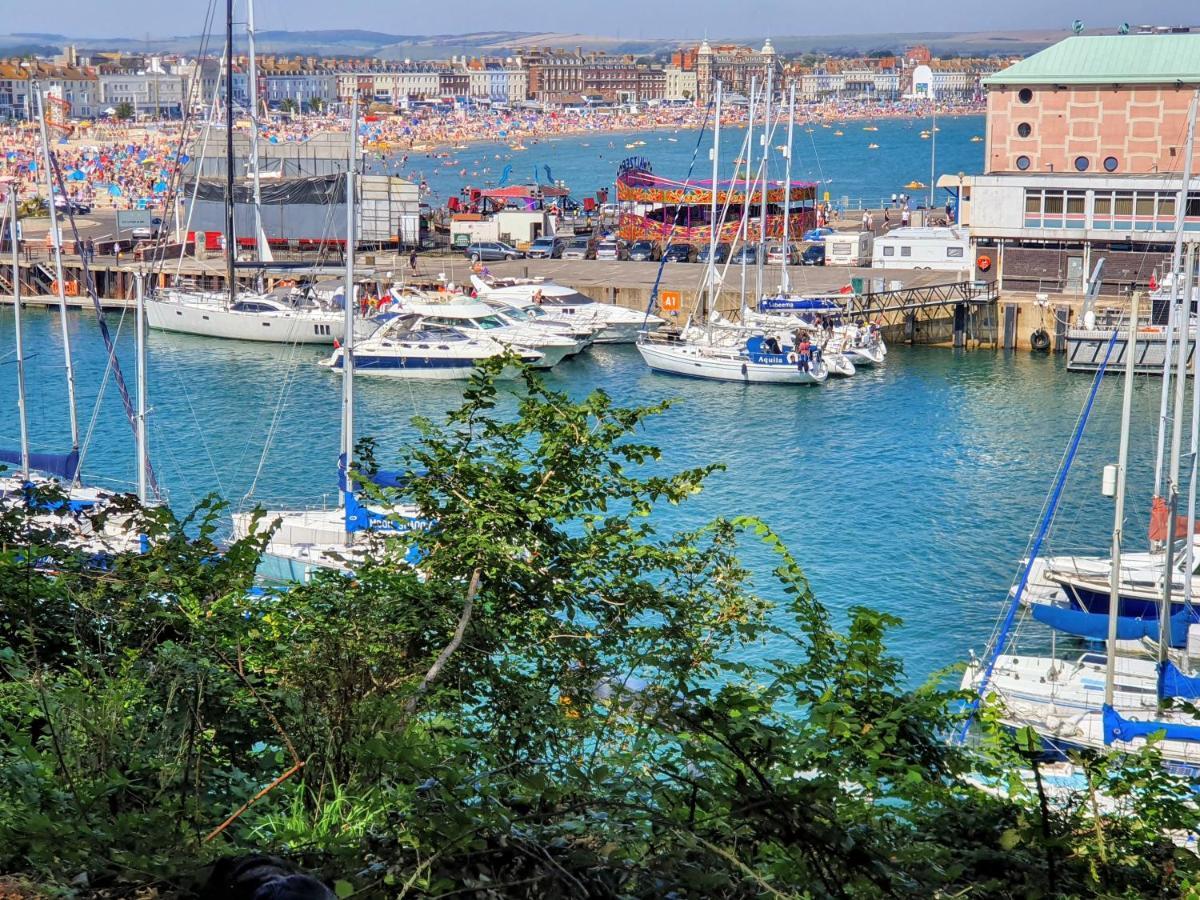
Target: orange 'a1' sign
670, 301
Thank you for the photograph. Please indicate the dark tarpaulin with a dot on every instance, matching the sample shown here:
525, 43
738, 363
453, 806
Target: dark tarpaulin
323, 190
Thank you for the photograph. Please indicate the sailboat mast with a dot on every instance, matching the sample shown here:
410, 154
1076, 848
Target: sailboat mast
784, 283
260, 236
1189, 552
143, 492
712, 215
746, 194
230, 239
1164, 624
1175, 321
351, 302
56, 237
16, 292
1114, 578
759, 260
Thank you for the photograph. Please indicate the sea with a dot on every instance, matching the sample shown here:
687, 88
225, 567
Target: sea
844, 166
911, 488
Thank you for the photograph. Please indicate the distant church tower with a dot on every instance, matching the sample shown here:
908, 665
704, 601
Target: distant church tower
704, 73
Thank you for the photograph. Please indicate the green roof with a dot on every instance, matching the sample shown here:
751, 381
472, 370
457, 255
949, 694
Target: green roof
1109, 59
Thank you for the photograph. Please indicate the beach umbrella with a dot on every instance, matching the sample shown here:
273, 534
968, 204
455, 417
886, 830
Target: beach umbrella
160, 187
184, 158
114, 191
76, 175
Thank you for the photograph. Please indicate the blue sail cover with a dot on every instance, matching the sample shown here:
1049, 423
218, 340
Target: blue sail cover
1173, 683
808, 304
1118, 728
64, 465
1095, 625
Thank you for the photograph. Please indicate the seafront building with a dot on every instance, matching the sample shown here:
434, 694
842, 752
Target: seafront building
1084, 159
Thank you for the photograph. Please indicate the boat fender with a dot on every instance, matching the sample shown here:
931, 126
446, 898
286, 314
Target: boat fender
743, 370
1040, 340
984, 263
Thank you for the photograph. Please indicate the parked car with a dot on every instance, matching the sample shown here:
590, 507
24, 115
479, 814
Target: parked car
813, 255
142, 233
679, 253
491, 251
581, 247
546, 248
747, 253
775, 254
611, 249
721, 255
643, 251
64, 205
818, 234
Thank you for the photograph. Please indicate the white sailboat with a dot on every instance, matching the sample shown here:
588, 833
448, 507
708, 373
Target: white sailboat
306, 541
1114, 699
277, 317
709, 347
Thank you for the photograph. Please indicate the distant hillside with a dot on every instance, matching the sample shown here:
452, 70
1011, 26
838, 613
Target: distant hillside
363, 42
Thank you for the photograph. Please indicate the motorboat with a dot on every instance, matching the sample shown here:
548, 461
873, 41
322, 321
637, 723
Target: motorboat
528, 311
475, 319
433, 353
616, 324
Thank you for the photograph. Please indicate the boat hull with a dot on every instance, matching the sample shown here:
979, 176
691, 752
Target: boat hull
216, 322
682, 361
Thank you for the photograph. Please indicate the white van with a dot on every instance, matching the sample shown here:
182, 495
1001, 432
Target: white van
946, 248
847, 249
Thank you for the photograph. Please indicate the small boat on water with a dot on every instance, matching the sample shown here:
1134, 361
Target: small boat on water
976, 139
839, 133
396, 350
613, 324
754, 359
872, 146
870, 128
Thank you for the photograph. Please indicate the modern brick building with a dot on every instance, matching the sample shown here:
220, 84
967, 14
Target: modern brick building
1084, 159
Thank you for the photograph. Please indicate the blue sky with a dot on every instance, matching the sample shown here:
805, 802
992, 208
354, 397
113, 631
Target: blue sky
623, 18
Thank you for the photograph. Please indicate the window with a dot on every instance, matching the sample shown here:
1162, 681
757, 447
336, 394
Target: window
1022, 163
954, 252
1110, 164
906, 251
1025, 95
1081, 164
889, 251
1024, 129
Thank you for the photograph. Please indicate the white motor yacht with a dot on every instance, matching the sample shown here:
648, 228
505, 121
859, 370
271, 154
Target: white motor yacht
617, 325
396, 350
474, 319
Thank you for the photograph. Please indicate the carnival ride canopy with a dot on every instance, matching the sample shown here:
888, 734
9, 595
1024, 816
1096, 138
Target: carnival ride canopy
645, 187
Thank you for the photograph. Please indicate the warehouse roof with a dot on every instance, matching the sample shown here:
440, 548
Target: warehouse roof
1109, 59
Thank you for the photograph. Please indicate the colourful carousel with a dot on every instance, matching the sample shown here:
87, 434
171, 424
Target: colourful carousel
655, 208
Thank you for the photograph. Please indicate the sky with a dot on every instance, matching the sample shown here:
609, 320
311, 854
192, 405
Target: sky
620, 18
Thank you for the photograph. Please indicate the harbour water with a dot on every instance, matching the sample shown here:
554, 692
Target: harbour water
911, 488
844, 165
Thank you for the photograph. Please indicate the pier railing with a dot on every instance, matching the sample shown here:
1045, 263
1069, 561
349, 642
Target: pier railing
959, 312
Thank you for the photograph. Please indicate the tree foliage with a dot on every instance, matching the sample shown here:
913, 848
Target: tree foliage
559, 700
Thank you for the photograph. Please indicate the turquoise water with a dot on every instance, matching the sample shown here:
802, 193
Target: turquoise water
844, 166
911, 488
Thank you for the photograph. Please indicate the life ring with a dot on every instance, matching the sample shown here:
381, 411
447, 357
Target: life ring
793, 358
1040, 340
984, 263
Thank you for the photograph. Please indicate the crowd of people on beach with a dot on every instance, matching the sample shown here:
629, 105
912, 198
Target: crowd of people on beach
133, 164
